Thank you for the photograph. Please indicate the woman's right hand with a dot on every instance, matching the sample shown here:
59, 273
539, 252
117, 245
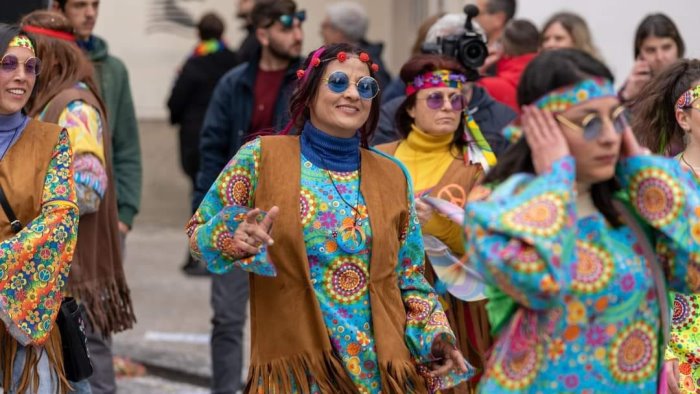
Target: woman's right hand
545, 138
251, 234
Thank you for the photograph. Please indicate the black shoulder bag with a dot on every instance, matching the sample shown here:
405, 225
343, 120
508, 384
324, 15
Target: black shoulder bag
76, 358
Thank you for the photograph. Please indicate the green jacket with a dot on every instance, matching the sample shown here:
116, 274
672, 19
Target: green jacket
113, 79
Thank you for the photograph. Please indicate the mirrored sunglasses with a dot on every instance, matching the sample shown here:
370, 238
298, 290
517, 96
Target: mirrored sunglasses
338, 82
436, 100
287, 20
9, 63
592, 124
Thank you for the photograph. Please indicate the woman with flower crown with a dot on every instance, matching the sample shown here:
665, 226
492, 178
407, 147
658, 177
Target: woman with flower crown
329, 233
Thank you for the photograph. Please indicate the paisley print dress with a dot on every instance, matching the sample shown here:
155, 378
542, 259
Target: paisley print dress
339, 278
587, 313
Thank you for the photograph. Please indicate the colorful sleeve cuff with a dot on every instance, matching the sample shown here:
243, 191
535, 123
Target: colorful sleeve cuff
212, 243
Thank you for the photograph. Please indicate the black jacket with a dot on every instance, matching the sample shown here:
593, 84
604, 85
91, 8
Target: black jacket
228, 117
491, 116
189, 99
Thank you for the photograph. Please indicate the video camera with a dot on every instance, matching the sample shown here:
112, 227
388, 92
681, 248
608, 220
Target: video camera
468, 48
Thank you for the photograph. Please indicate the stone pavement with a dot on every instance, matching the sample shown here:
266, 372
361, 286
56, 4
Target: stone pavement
171, 337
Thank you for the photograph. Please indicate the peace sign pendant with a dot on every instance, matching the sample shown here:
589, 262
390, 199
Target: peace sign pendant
351, 237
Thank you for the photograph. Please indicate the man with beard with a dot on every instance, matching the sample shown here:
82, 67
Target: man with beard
251, 97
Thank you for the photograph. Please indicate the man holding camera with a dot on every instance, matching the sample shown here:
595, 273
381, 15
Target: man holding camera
492, 17
453, 35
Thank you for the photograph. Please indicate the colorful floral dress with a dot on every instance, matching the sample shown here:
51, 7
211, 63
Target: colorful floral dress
587, 312
34, 264
684, 345
339, 278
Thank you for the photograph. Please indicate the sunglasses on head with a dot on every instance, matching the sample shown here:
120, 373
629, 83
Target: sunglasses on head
592, 124
436, 100
287, 20
338, 82
9, 63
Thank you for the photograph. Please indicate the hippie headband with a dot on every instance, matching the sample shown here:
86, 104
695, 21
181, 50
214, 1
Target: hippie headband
436, 79
566, 97
61, 35
21, 41
341, 57
686, 99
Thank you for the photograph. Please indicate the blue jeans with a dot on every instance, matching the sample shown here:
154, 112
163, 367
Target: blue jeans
48, 381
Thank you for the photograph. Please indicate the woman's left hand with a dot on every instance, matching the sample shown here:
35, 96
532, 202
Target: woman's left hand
424, 211
630, 146
446, 358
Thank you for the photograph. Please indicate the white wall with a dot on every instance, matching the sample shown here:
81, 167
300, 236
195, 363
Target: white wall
153, 57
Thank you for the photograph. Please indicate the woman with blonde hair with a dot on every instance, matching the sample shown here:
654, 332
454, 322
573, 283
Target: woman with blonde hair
568, 30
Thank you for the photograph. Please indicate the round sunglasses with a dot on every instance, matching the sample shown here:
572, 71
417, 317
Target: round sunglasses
338, 82
9, 63
592, 124
436, 100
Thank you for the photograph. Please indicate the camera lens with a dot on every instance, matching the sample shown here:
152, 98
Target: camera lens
472, 53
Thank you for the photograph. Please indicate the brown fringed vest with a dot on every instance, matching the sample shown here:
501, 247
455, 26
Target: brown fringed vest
97, 275
288, 334
22, 176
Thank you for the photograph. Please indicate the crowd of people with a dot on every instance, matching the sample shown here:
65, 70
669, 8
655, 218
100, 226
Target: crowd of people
496, 222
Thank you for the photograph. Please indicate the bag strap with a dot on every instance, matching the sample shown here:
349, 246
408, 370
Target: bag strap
15, 224
654, 266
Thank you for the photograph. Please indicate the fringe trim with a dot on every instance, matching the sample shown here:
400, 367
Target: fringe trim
400, 377
109, 308
29, 379
282, 375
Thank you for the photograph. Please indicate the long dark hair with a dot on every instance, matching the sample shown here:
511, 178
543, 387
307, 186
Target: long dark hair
418, 65
658, 25
7, 33
654, 119
549, 71
307, 89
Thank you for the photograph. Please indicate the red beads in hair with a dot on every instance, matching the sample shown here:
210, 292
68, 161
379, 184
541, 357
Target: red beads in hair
342, 56
300, 74
315, 62
374, 67
364, 57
